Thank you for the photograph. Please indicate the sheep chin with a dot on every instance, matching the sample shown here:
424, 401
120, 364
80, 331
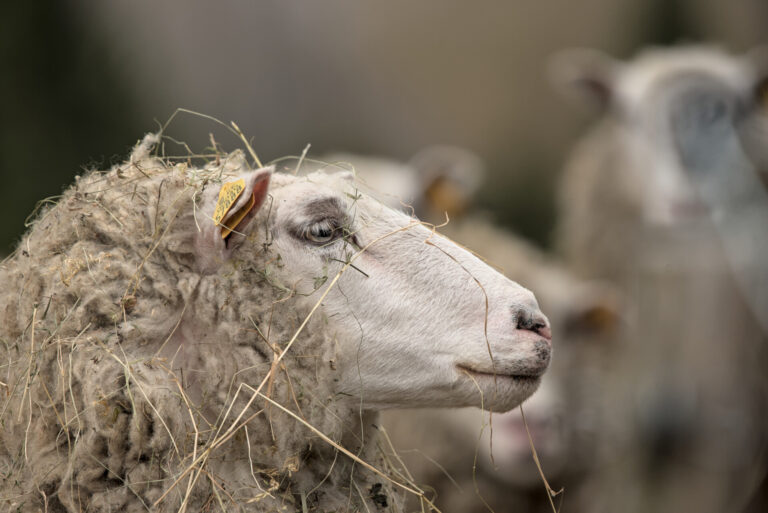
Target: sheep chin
498, 392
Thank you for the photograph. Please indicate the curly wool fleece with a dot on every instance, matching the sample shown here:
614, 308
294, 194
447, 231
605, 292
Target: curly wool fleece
96, 416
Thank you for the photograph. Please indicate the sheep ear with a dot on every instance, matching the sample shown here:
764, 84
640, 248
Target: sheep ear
597, 312
227, 210
449, 178
587, 73
757, 60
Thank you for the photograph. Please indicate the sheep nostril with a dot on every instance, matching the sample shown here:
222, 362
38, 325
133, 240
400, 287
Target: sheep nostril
544, 330
535, 322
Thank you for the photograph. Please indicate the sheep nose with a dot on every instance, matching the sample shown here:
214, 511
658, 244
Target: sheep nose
531, 319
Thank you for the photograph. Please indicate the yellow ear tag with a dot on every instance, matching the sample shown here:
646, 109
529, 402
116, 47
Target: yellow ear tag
238, 216
227, 197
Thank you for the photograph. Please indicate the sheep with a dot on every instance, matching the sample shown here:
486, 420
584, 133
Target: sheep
666, 198
180, 338
561, 414
646, 162
436, 182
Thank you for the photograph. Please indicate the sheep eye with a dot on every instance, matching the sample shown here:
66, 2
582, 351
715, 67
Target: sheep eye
321, 232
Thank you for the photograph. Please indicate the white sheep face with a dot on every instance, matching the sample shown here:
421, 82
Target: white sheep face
683, 116
418, 320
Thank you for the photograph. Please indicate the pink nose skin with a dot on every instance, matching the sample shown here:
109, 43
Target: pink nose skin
545, 332
534, 320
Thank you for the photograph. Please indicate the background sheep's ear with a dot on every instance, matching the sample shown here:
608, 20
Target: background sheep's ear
757, 60
449, 178
586, 73
227, 211
597, 311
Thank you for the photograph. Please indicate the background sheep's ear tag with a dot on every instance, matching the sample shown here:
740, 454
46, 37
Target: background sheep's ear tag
227, 197
238, 216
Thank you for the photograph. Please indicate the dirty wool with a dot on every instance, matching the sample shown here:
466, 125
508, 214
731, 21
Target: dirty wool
106, 406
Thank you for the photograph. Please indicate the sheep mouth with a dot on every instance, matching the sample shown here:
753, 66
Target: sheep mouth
522, 376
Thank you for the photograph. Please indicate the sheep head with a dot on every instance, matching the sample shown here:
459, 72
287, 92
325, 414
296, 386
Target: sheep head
416, 319
688, 122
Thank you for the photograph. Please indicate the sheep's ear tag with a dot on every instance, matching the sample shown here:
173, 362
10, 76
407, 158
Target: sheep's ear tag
231, 223
228, 196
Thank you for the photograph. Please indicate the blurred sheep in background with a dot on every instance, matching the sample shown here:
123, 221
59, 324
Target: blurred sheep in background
662, 199
437, 184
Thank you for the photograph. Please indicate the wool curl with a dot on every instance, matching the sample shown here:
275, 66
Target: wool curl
97, 414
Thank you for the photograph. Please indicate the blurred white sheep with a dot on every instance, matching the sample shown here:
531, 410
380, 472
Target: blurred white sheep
666, 197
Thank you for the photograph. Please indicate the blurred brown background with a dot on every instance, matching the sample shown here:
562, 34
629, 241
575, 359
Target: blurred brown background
82, 81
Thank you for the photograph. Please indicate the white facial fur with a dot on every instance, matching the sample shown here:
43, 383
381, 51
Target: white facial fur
410, 318
562, 415
650, 92
674, 107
